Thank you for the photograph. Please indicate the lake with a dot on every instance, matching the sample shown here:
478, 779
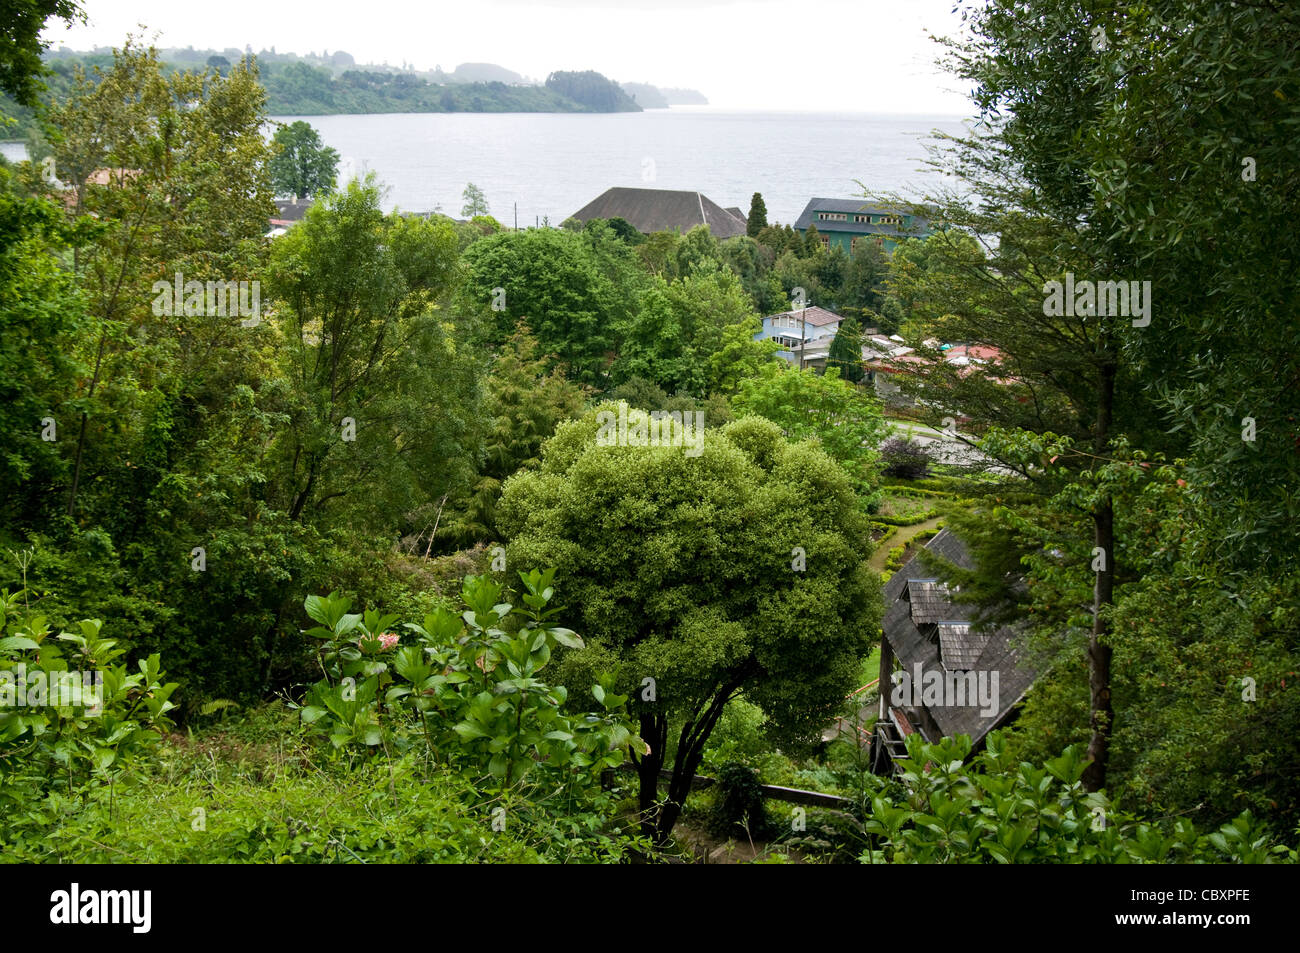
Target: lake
552, 164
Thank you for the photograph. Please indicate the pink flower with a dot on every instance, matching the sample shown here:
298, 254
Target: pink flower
383, 642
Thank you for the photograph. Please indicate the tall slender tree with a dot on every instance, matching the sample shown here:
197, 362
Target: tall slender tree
757, 220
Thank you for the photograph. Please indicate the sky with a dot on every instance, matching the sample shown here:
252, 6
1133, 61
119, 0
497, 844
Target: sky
835, 55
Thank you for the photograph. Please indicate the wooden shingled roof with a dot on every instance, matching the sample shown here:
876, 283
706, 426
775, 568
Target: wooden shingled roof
662, 210
925, 627
960, 647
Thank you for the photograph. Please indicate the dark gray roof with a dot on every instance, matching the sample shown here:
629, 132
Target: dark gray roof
959, 647
850, 207
924, 627
287, 210
662, 210
735, 210
929, 601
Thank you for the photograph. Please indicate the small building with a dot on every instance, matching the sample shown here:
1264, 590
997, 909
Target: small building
942, 673
844, 223
663, 210
288, 213
801, 332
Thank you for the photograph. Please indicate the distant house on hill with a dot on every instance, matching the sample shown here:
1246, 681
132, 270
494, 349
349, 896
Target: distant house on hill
803, 330
662, 210
941, 674
288, 213
843, 223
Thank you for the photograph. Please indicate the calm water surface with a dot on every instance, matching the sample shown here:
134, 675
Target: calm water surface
552, 164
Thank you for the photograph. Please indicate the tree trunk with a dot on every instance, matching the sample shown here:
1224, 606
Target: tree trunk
1099, 654
690, 751
654, 732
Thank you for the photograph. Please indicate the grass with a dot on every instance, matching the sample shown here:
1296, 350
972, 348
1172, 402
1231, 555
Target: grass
253, 790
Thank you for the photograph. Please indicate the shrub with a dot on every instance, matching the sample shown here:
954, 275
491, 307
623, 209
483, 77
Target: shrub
1001, 811
738, 809
905, 458
98, 727
465, 691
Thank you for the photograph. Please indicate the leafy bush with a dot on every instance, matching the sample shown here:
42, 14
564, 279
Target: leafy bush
101, 724
738, 809
466, 692
905, 458
1018, 813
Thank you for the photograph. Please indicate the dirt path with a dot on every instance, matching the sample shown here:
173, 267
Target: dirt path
881, 555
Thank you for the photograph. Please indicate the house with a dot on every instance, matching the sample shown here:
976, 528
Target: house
803, 330
889, 360
942, 673
843, 223
663, 210
288, 213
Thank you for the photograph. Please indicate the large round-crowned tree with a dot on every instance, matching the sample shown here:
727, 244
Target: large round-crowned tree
730, 564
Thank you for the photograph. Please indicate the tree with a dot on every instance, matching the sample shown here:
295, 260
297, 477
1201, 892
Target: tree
846, 351
592, 90
699, 577
1122, 202
845, 420
21, 46
475, 202
302, 165
573, 290
812, 243
155, 218
655, 346
757, 220
359, 292
524, 404
40, 313
739, 356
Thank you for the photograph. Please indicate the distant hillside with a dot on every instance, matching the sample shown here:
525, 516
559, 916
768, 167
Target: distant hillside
484, 73
684, 97
657, 97
593, 91
299, 89
646, 96
331, 83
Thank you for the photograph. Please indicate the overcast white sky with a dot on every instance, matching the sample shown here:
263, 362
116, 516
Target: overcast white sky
853, 55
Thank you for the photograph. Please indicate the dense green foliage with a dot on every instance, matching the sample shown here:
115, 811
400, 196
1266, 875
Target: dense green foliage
21, 45
592, 91
207, 428
1000, 811
1144, 441
302, 166
700, 576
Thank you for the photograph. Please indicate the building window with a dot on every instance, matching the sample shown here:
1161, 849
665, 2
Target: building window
833, 216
